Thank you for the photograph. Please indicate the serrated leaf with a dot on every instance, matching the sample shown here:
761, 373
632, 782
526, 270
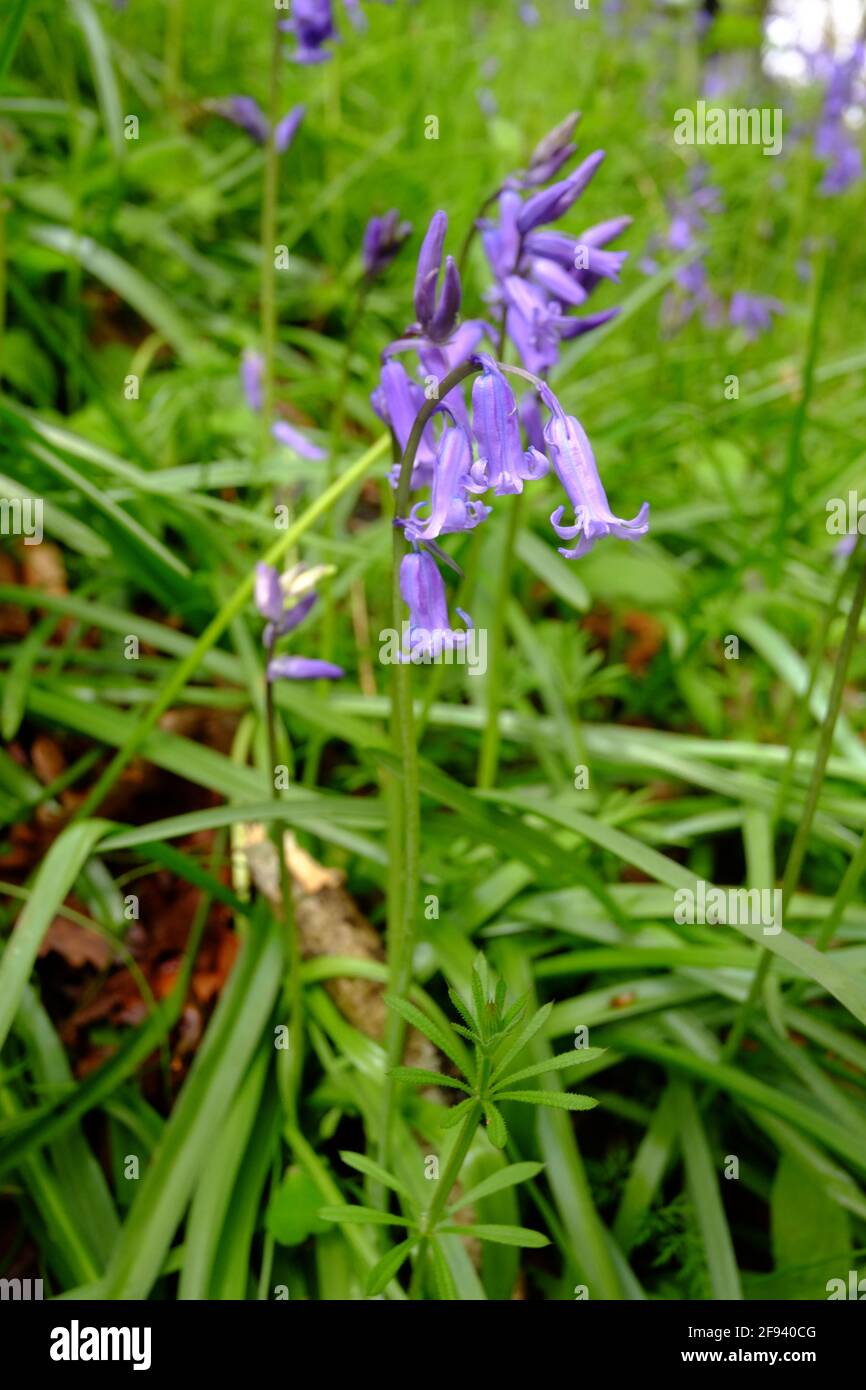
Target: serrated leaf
500, 1235
557, 1100
527, 1033
456, 1113
506, 1177
557, 1063
419, 1020
374, 1170
496, 1131
384, 1270
461, 1007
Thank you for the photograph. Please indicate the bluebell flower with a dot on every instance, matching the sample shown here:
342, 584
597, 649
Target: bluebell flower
383, 238
753, 312
252, 365
450, 507
303, 668
503, 463
296, 440
285, 600
553, 151
436, 310
574, 462
312, 24
397, 401
246, 113
423, 590
554, 202
536, 325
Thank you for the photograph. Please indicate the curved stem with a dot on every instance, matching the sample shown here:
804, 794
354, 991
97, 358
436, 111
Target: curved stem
473, 230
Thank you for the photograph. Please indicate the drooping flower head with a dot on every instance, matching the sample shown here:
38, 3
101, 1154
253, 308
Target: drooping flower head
423, 591
503, 463
574, 462
451, 508
285, 600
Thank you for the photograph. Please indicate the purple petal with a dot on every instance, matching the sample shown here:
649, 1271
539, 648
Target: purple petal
251, 378
286, 434
286, 129
268, 594
303, 668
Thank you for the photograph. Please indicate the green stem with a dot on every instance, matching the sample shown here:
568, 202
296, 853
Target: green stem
294, 988
799, 724
268, 298
488, 760
801, 837
404, 901
173, 51
444, 1188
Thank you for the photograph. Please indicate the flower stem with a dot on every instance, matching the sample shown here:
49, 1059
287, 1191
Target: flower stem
444, 1188
801, 837
294, 990
488, 760
268, 299
406, 833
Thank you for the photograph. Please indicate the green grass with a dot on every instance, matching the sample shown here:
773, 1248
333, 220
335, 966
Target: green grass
707, 1169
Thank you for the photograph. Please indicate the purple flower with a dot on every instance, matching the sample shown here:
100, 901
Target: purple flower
383, 237
312, 24
450, 507
252, 365
503, 463
551, 152
753, 312
268, 594
246, 113
554, 202
271, 599
437, 317
845, 162
285, 600
536, 324
303, 668
575, 466
294, 439
286, 129
423, 590
397, 400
